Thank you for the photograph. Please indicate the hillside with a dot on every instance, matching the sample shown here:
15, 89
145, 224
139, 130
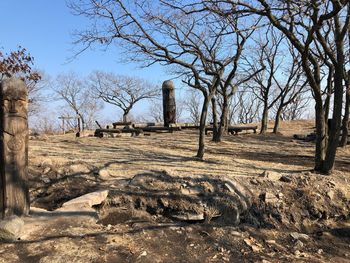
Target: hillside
253, 199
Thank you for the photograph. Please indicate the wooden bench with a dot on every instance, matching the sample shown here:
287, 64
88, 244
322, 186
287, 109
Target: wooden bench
235, 129
115, 124
134, 132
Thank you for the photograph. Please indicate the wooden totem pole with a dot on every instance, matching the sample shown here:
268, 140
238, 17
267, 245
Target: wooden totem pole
14, 194
169, 103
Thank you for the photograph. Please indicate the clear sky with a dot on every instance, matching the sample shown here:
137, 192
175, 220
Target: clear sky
45, 27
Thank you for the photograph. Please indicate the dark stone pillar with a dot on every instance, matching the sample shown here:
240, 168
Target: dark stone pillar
169, 103
14, 194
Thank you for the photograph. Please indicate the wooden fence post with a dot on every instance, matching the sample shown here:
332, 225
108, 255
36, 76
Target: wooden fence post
14, 194
169, 103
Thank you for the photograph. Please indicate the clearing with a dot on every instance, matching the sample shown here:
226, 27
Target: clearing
253, 199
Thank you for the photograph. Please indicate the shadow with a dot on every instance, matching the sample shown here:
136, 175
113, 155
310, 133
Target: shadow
52, 214
61, 189
158, 193
343, 232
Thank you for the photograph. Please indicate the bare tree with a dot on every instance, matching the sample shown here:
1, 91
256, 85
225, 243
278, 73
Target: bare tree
74, 92
200, 48
192, 106
36, 92
291, 90
248, 108
155, 110
45, 123
346, 121
303, 23
121, 91
297, 107
268, 55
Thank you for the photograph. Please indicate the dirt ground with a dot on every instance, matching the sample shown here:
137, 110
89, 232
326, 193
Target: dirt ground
253, 199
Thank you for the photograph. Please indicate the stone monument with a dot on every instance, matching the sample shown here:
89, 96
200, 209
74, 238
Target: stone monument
169, 103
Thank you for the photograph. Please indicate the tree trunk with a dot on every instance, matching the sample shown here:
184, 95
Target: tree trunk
223, 119
79, 126
345, 124
264, 119
216, 137
329, 93
83, 124
203, 119
278, 118
125, 116
334, 130
321, 136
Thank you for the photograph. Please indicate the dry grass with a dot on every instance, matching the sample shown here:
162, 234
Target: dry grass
75, 164
242, 155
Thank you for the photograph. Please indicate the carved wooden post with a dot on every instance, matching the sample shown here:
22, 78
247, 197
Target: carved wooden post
14, 194
169, 103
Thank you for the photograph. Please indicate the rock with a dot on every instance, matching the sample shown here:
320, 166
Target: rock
242, 193
271, 242
299, 236
79, 168
285, 179
254, 182
191, 191
298, 244
11, 229
253, 244
305, 213
236, 234
208, 187
320, 251
229, 188
331, 184
271, 175
143, 254
331, 194
46, 163
280, 195
189, 216
103, 173
46, 180
47, 170
85, 202
269, 198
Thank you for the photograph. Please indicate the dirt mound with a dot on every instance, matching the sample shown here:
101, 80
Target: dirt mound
184, 199
290, 203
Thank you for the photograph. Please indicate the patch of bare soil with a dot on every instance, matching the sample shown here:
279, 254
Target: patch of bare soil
253, 199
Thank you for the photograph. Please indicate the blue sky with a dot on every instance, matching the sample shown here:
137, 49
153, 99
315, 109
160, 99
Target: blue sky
45, 27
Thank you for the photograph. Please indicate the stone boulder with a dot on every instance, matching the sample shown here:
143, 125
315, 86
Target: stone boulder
85, 202
11, 228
